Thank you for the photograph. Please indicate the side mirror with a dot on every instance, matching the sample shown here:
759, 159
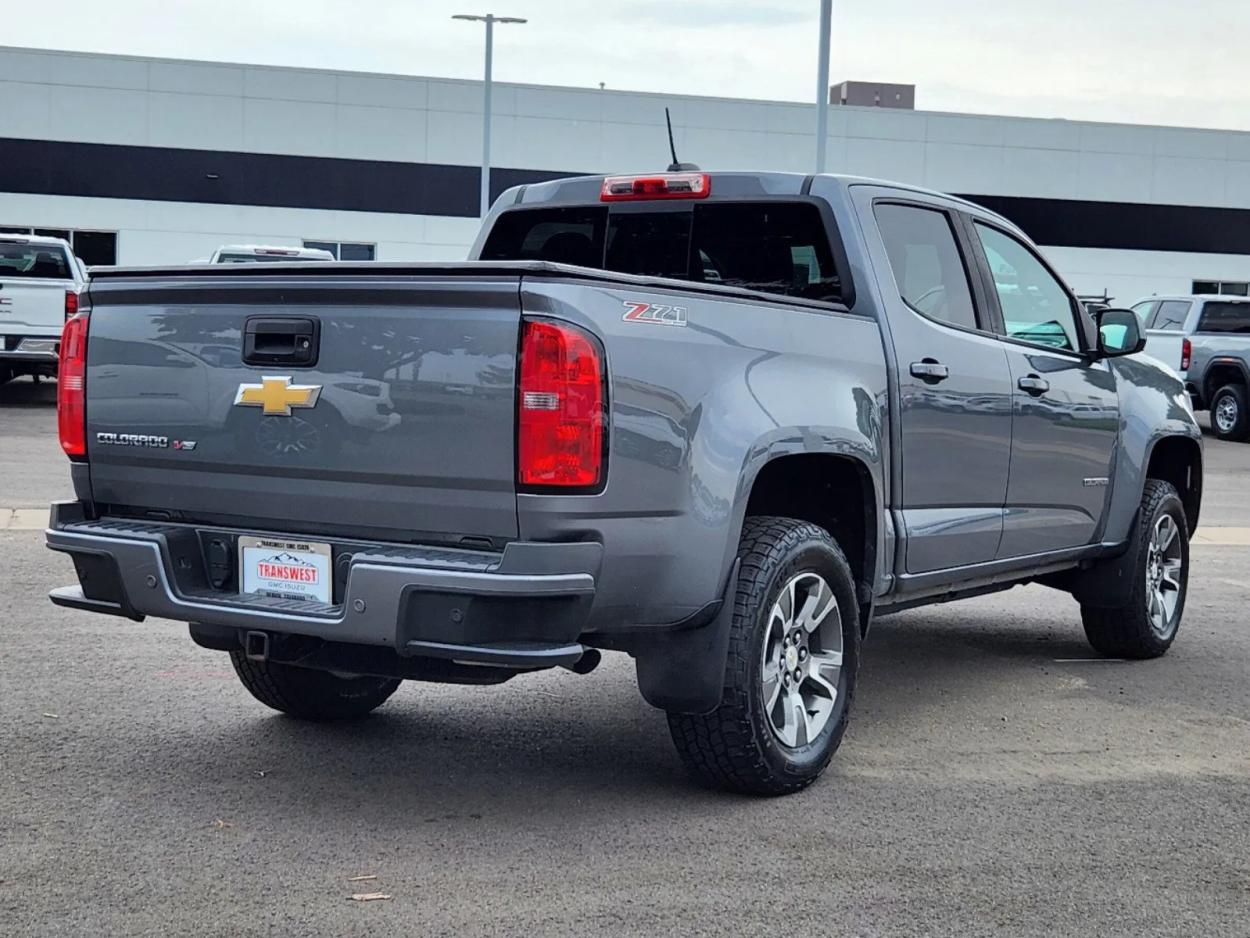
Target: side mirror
1119, 333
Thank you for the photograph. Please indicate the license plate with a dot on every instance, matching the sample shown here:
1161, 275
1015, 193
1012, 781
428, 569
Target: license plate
290, 569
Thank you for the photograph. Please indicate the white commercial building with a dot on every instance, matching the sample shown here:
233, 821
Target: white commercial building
155, 161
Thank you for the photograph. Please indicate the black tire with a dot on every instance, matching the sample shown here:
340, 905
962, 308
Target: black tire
310, 694
735, 746
1127, 631
1232, 397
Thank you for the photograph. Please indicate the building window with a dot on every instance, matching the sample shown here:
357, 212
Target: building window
346, 250
94, 248
1226, 287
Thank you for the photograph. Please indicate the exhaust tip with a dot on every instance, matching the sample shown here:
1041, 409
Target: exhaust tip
587, 662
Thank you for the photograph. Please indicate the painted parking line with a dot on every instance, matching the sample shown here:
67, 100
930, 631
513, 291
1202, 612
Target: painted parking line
24, 519
1222, 537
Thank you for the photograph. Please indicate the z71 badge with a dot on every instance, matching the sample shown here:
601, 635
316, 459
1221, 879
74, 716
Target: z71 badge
655, 313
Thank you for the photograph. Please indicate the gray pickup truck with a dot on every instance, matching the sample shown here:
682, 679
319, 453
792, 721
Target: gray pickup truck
1207, 338
715, 421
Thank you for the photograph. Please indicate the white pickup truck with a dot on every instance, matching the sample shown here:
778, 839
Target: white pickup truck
39, 283
260, 253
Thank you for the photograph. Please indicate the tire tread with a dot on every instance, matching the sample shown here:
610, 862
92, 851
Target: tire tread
1241, 429
719, 748
1125, 631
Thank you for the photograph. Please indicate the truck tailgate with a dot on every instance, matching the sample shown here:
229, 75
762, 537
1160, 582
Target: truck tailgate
1165, 346
401, 429
32, 307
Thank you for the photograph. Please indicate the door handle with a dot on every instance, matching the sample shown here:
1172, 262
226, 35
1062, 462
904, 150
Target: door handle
1034, 385
930, 371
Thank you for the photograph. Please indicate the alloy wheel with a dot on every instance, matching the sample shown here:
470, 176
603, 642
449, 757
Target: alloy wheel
1164, 566
801, 660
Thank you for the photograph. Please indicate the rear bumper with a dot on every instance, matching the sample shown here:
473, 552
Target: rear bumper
30, 351
522, 607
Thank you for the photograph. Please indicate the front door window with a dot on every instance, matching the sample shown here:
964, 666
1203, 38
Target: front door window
1036, 307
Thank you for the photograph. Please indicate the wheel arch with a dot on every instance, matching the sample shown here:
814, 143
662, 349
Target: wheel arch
834, 490
1221, 371
1178, 460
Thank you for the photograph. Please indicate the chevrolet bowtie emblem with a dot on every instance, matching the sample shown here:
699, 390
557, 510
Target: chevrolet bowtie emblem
277, 395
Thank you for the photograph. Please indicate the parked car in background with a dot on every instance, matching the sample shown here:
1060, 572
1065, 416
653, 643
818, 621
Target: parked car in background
39, 283
1168, 321
260, 253
1210, 336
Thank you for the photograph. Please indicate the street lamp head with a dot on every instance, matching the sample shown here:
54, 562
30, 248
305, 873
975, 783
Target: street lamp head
488, 18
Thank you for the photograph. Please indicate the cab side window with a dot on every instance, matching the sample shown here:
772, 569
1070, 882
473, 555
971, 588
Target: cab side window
926, 262
1036, 307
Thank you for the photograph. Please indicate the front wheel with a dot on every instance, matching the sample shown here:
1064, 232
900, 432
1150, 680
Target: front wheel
1146, 625
310, 694
791, 669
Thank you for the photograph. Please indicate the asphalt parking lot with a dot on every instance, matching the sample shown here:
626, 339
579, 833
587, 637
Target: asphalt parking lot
996, 779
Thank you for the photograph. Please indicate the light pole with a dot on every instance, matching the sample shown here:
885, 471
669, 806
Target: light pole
490, 19
822, 85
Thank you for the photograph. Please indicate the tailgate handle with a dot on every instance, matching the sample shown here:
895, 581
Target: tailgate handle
281, 340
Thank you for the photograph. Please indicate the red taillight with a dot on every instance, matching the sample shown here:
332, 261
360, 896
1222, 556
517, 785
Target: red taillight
663, 186
1187, 354
560, 407
71, 387
71, 304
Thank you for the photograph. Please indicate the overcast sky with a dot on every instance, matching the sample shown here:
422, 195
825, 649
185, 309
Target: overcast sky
1137, 61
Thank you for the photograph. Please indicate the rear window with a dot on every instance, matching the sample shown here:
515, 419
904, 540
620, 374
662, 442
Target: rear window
1225, 317
1170, 316
33, 261
774, 247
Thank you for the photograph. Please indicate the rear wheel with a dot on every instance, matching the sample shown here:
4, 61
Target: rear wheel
791, 669
310, 694
1146, 625
1229, 417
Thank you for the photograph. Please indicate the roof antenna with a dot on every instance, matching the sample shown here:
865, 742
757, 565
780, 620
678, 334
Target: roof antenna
675, 166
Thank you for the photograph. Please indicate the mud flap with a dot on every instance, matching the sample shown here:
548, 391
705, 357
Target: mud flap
684, 671
1107, 583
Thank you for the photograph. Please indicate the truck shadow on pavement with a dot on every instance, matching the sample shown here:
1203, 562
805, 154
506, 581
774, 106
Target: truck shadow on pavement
560, 745
24, 392
946, 657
